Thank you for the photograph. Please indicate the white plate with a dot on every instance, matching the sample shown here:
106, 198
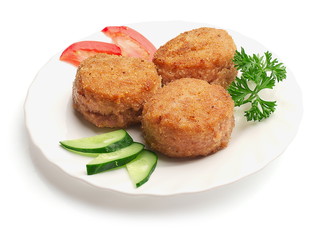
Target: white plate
50, 118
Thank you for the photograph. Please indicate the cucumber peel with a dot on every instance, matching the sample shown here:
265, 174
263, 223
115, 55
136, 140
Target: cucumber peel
86, 154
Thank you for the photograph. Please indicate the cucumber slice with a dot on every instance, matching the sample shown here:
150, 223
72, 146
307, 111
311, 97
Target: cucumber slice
141, 168
111, 160
86, 154
103, 143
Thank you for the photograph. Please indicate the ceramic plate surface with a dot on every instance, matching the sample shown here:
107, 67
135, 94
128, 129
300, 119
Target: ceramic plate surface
50, 118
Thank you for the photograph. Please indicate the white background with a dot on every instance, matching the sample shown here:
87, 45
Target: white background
40, 202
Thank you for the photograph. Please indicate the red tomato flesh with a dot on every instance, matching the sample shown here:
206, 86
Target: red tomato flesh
131, 42
79, 51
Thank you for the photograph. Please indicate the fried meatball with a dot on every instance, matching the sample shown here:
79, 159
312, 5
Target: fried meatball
188, 118
110, 90
204, 53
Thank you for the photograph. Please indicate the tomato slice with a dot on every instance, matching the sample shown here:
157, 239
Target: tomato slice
131, 42
79, 51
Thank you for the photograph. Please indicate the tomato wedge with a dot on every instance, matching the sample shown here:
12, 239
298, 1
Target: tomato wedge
131, 42
79, 51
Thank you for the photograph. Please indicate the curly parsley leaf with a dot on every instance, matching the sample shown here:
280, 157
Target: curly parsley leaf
257, 73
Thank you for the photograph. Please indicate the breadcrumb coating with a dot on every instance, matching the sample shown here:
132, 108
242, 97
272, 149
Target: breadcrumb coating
110, 90
204, 53
188, 118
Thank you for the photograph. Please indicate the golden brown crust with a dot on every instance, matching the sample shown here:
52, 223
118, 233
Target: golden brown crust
188, 118
111, 90
204, 53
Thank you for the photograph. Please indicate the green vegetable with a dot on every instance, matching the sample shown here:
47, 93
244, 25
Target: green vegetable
103, 143
141, 168
86, 154
257, 73
114, 150
112, 160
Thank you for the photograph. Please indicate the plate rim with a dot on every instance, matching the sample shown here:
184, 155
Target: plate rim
161, 194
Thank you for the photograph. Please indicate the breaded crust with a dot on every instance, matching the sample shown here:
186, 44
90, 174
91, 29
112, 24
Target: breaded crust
188, 118
204, 53
110, 90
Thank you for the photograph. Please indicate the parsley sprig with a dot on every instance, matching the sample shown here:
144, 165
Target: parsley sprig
257, 73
